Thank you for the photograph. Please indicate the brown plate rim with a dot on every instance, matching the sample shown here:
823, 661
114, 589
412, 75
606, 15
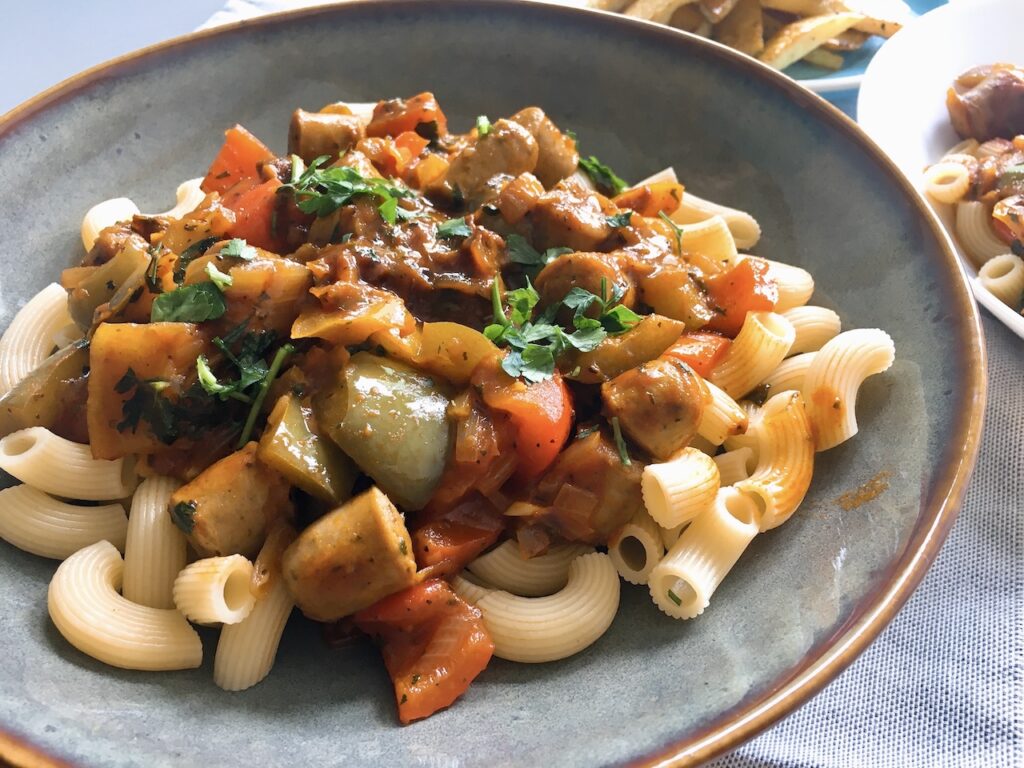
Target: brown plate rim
745, 721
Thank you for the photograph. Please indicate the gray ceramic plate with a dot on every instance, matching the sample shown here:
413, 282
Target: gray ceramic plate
804, 600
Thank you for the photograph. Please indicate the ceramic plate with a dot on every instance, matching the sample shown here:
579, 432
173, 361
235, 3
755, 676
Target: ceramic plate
804, 600
902, 103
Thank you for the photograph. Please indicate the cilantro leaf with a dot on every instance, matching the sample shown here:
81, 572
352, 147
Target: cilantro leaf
239, 249
521, 252
280, 356
454, 228
194, 303
619, 319
606, 180
322, 191
209, 382
619, 220
538, 362
218, 278
483, 126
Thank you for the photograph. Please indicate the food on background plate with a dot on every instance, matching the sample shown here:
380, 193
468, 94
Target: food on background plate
440, 389
778, 32
982, 177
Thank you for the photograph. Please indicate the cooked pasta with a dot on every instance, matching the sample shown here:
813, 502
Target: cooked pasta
504, 568
813, 326
947, 182
834, 378
538, 629
790, 373
796, 286
974, 232
30, 336
48, 527
156, 548
721, 417
215, 590
1003, 277
762, 343
88, 611
683, 582
734, 466
636, 548
32, 454
785, 460
678, 490
246, 651
427, 390
103, 215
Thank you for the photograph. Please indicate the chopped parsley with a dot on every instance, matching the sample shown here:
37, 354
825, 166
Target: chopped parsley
620, 443
676, 230
619, 220
521, 252
454, 228
322, 191
587, 431
483, 126
183, 515
674, 597
218, 278
280, 356
536, 343
606, 180
194, 303
237, 248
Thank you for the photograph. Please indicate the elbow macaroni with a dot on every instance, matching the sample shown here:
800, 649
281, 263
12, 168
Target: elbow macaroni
86, 608
215, 590
812, 326
32, 454
504, 568
678, 490
762, 343
721, 417
636, 547
156, 549
29, 338
44, 526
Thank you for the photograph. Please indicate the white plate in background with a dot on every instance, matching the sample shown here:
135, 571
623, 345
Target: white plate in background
902, 101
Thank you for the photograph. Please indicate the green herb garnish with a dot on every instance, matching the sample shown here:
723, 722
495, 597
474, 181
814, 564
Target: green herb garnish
454, 228
189, 255
322, 191
676, 230
604, 178
275, 367
483, 126
619, 220
183, 515
674, 597
237, 248
620, 443
521, 252
189, 304
218, 278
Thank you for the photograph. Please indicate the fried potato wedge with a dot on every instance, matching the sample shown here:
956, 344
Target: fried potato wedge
819, 57
850, 40
796, 40
716, 10
743, 28
655, 10
689, 19
881, 17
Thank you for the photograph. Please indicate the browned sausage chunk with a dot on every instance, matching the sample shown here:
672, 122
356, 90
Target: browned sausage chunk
557, 157
589, 493
508, 149
313, 134
350, 558
231, 505
586, 271
569, 215
658, 405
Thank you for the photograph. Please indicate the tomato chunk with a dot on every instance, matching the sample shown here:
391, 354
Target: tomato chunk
434, 645
239, 158
652, 199
541, 414
446, 540
254, 216
744, 288
396, 116
701, 351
